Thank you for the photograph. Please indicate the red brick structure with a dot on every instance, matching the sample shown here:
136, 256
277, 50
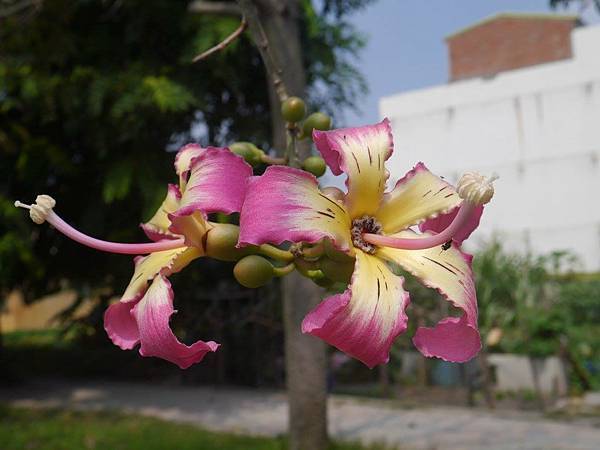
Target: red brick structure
509, 41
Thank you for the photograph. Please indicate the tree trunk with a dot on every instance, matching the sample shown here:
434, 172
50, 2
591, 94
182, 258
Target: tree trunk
305, 358
305, 365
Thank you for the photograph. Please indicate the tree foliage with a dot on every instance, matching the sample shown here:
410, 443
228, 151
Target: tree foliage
541, 305
92, 93
582, 3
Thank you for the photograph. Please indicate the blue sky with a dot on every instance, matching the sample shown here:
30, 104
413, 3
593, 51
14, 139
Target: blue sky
406, 48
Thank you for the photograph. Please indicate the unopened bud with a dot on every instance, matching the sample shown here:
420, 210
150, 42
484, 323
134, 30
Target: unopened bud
253, 271
316, 121
475, 188
247, 150
315, 165
293, 109
221, 241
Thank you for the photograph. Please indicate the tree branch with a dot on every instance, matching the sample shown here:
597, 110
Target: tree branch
225, 8
17, 7
259, 36
221, 45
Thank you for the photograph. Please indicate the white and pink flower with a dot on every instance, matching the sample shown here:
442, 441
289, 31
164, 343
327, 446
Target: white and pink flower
374, 227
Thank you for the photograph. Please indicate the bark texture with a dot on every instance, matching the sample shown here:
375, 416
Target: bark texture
274, 27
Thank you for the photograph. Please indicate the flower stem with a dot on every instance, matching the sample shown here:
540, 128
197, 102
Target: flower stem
283, 271
273, 160
422, 243
275, 253
111, 247
291, 150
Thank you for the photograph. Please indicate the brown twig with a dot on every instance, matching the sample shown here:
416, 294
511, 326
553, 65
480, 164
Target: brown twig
273, 160
18, 7
224, 43
224, 8
260, 39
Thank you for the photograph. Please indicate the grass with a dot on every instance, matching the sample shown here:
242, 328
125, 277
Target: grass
59, 430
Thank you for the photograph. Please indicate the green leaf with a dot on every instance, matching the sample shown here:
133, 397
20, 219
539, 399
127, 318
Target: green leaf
117, 182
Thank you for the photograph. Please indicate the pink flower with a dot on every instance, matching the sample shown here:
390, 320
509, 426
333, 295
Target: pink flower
285, 204
210, 180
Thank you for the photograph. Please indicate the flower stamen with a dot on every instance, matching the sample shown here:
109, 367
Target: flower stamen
473, 188
362, 225
42, 211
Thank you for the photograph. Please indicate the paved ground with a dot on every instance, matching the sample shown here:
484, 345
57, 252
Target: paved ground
265, 413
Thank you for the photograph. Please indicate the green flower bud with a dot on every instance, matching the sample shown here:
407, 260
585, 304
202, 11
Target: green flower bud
316, 121
293, 109
315, 165
221, 241
335, 270
247, 150
253, 271
222, 218
319, 278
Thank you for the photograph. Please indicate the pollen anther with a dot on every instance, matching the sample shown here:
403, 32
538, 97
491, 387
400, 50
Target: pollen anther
475, 188
364, 224
40, 210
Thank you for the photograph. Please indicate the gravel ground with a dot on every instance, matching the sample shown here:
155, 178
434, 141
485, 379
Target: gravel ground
265, 413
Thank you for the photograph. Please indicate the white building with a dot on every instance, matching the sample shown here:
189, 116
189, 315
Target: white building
538, 127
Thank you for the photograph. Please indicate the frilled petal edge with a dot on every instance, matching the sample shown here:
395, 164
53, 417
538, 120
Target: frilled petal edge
449, 272
419, 195
152, 314
360, 153
120, 325
157, 228
217, 183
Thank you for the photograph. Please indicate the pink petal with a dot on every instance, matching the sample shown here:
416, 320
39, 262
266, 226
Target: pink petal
442, 222
120, 325
452, 339
184, 158
152, 315
449, 272
360, 153
285, 204
217, 183
363, 321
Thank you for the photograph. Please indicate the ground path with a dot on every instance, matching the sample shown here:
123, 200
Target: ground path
265, 413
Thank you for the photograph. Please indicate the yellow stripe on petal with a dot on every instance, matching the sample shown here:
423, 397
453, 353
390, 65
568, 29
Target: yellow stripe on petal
376, 294
147, 267
415, 198
360, 153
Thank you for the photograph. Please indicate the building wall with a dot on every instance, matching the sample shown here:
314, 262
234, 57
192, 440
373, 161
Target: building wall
537, 127
509, 41
41, 314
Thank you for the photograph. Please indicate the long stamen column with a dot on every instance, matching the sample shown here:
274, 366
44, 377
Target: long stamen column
41, 212
474, 189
